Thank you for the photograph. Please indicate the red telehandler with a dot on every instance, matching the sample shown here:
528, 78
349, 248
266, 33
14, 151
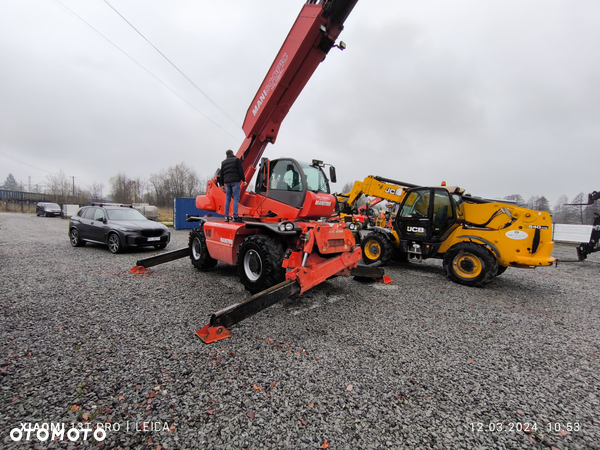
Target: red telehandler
283, 246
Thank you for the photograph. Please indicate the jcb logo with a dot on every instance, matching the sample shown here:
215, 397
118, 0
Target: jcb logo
393, 191
419, 230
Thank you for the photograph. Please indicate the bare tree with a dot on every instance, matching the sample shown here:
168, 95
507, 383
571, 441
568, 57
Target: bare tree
575, 213
559, 209
517, 198
543, 204
176, 181
58, 186
95, 190
532, 203
121, 188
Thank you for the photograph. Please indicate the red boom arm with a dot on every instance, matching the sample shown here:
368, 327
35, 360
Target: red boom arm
313, 34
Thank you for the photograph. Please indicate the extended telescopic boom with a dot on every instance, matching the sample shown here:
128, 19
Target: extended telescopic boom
312, 36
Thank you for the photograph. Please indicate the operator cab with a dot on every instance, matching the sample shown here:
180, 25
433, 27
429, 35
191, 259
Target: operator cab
287, 180
428, 214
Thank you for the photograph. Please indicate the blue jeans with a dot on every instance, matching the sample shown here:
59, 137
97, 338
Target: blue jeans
232, 189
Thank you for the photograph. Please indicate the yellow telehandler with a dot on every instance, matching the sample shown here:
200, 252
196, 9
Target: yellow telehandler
476, 238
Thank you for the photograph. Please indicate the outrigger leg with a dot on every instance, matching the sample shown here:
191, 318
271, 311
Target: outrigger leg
216, 329
143, 264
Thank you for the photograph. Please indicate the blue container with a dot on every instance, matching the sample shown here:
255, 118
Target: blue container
183, 206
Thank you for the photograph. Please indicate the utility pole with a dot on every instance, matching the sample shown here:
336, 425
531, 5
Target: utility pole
73, 186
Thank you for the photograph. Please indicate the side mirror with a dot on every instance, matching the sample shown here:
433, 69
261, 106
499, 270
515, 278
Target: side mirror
332, 176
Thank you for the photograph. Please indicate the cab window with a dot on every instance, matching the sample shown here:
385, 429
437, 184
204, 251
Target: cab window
316, 181
416, 204
285, 176
442, 208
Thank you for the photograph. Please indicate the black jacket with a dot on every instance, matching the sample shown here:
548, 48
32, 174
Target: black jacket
231, 170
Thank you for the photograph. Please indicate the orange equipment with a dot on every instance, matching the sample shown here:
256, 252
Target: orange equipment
285, 245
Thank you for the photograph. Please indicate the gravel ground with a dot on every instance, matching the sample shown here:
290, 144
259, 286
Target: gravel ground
418, 363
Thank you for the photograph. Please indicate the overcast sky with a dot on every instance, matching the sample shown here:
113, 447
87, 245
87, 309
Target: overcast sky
498, 97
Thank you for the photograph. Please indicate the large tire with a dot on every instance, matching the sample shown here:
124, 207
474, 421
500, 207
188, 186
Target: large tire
75, 239
259, 261
470, 264
501, 270
201, 260
376, 247
114, 243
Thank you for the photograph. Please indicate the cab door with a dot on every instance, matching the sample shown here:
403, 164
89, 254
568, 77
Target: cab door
414, 217
285, 180
426, 214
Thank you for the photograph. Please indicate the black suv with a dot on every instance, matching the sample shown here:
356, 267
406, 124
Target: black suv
47, 209
117, 226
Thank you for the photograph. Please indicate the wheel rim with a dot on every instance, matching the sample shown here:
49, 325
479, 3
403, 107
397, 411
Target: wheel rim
74, 237
113, 243
252, 265
372, 250
196, 249
467, 265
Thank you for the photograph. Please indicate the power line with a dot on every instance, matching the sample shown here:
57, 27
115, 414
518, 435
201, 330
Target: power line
148, 71
26, 164
172, 64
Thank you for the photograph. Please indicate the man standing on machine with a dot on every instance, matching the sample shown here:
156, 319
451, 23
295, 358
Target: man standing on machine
230, 176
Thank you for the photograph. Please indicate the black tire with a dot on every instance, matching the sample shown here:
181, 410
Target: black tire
199, 256
160, 246
470, 264
75, 239
114, 243
501, 270
259, 262
399, 256
376, 247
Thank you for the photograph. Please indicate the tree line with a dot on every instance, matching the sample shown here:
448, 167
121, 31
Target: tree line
159, 189
574, 211
182, 180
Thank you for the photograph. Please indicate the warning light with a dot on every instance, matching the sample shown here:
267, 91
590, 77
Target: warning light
443, 183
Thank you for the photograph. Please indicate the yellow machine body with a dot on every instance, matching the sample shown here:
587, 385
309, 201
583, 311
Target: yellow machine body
477, 238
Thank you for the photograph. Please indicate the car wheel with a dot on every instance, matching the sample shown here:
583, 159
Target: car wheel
376, 247
160, 246
259, 261
470, 264
198, 252
114, 243
75, 239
